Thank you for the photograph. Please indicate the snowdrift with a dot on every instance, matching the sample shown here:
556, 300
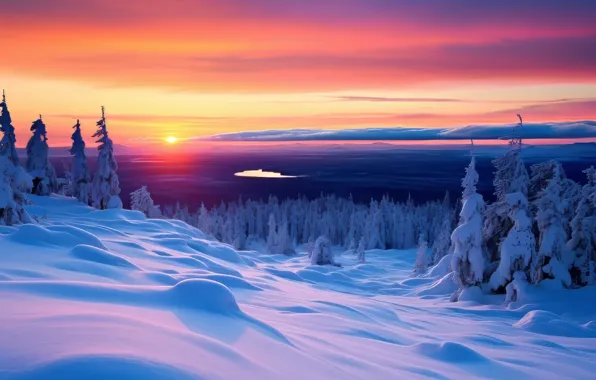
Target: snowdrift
110, 294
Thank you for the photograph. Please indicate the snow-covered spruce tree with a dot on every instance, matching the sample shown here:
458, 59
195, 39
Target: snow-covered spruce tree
8, 143
468, 261
322, 254
310, 246
519, 247
272, 244
140, 200
352, 247
511, 176
204, 220
541, 173
7, 199
361, 251
80, 181
422, 259
284, 241
350, 243
105, 187
582, 244
551, 259
374, 228
442, 242
13, 174
38, 165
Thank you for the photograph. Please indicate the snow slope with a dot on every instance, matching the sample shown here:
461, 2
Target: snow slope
109, 294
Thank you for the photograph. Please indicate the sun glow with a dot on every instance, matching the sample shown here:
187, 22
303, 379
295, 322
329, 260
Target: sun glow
171, 139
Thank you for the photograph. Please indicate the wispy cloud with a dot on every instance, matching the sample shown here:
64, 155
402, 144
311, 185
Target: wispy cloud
382, 99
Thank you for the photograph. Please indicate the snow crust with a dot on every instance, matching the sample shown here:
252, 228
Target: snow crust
111, 294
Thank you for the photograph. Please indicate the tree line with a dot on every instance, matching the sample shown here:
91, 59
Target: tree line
542, 225
39, 176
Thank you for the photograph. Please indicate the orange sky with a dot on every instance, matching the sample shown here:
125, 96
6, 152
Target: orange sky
190, 68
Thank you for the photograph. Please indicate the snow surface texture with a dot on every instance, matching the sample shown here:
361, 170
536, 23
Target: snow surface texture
90, 294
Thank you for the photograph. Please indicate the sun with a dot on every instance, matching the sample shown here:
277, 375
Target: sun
171, 139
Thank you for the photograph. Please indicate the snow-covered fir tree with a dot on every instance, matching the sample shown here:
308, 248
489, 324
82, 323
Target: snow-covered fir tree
582, 244
272, 235
551, 259
470, 180
571, 191
352, 247
422, 258
468, 261
350, 244
80, 177
13, 174
511, 176
375, 232
284, 241
204, 219
38, 163
105, 187
361, 251
322, 253
182, 213
442, 243
519, 247
310, 246
140, 200
7, 199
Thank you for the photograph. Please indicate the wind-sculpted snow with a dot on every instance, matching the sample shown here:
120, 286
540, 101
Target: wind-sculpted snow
111, 294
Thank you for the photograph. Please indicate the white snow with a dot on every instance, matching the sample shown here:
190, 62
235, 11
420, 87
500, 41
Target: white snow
90, 294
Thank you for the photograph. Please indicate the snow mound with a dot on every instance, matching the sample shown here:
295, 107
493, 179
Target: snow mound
105, 367
201, 294
100, 256
471, 294
547, 323
217, 250
444, 285
232, 282
443, 267
450, 352
59, 236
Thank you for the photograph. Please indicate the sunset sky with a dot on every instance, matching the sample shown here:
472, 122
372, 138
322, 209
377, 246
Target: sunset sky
189, 68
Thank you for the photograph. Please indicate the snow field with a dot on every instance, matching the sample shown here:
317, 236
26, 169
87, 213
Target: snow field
97, 294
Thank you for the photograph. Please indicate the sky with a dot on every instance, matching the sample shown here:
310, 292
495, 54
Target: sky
195, 68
